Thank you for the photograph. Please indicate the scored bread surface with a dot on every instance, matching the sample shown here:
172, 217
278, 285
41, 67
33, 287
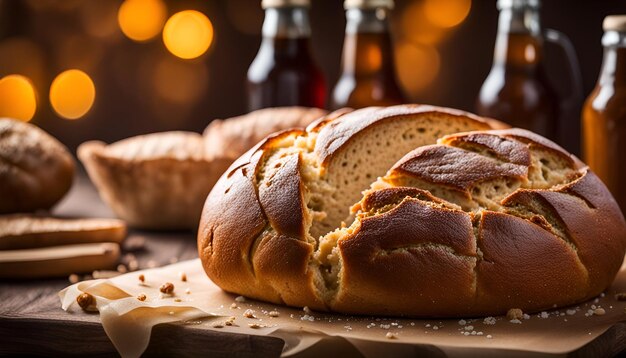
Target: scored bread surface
387, 211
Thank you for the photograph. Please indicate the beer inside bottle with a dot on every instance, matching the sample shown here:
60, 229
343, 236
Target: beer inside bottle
517, 89
368, 75
604, 113
284, 72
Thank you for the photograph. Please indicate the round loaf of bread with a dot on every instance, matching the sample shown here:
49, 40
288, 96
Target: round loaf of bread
386, 211
36, 170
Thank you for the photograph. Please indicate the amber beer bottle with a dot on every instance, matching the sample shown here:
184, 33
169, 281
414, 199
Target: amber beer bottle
604, 113
368, 75
517, 89
284, 72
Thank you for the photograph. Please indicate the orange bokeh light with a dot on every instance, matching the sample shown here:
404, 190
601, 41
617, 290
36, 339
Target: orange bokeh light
188, 34
446, 13
418, 66
72, 94
17, 98
414, 25
141, 20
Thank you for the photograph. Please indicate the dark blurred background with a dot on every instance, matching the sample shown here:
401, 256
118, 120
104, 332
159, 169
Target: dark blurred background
444, 50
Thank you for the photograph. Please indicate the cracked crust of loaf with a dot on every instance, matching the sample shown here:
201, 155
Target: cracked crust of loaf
466, 224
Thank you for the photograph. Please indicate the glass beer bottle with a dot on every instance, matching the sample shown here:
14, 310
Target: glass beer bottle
604, 113
284, 72
517, 89
368, 75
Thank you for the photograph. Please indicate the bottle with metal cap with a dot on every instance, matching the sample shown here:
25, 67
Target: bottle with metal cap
284, 72
517, 89
368, 75
604, 113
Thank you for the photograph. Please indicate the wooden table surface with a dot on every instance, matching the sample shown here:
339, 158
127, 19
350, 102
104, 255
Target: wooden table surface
33, 323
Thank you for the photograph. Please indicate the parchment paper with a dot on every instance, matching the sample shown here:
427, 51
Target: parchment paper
129, 321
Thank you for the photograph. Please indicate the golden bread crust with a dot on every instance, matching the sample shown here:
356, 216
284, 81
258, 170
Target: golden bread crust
477, 224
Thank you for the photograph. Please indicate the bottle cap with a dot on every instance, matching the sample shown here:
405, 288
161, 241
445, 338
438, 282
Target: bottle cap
614, 23
368, 4
285, 3
518, 4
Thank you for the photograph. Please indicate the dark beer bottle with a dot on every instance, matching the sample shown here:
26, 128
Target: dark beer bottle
604, 113
368, 75
517, 89
284, 72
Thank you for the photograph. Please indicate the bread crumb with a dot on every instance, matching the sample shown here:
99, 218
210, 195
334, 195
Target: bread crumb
515, 314
526, 316
183, 277
462, 322
516, 321
489, 320
141, 297
435, 328
240, 299
187, 290
544, 314
307, 310
167, 288
599, 311
73, 278
230, 321
177, 300
274, 314
142, 278
87, 302
121, 268
468, 328
233, 305
489, 336
570, 312
218, 325
249, 313
391, 335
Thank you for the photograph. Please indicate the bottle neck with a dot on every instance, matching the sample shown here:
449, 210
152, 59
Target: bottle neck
367, 48
286, 22
613, 69
519, 43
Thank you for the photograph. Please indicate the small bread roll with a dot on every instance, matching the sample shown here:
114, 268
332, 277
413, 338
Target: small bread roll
36, 170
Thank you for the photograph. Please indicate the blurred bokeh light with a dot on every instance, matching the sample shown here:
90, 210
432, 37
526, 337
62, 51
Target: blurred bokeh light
415, 26
447, 13
188, 34
17, 98
142, 20
418, 66
72, 94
